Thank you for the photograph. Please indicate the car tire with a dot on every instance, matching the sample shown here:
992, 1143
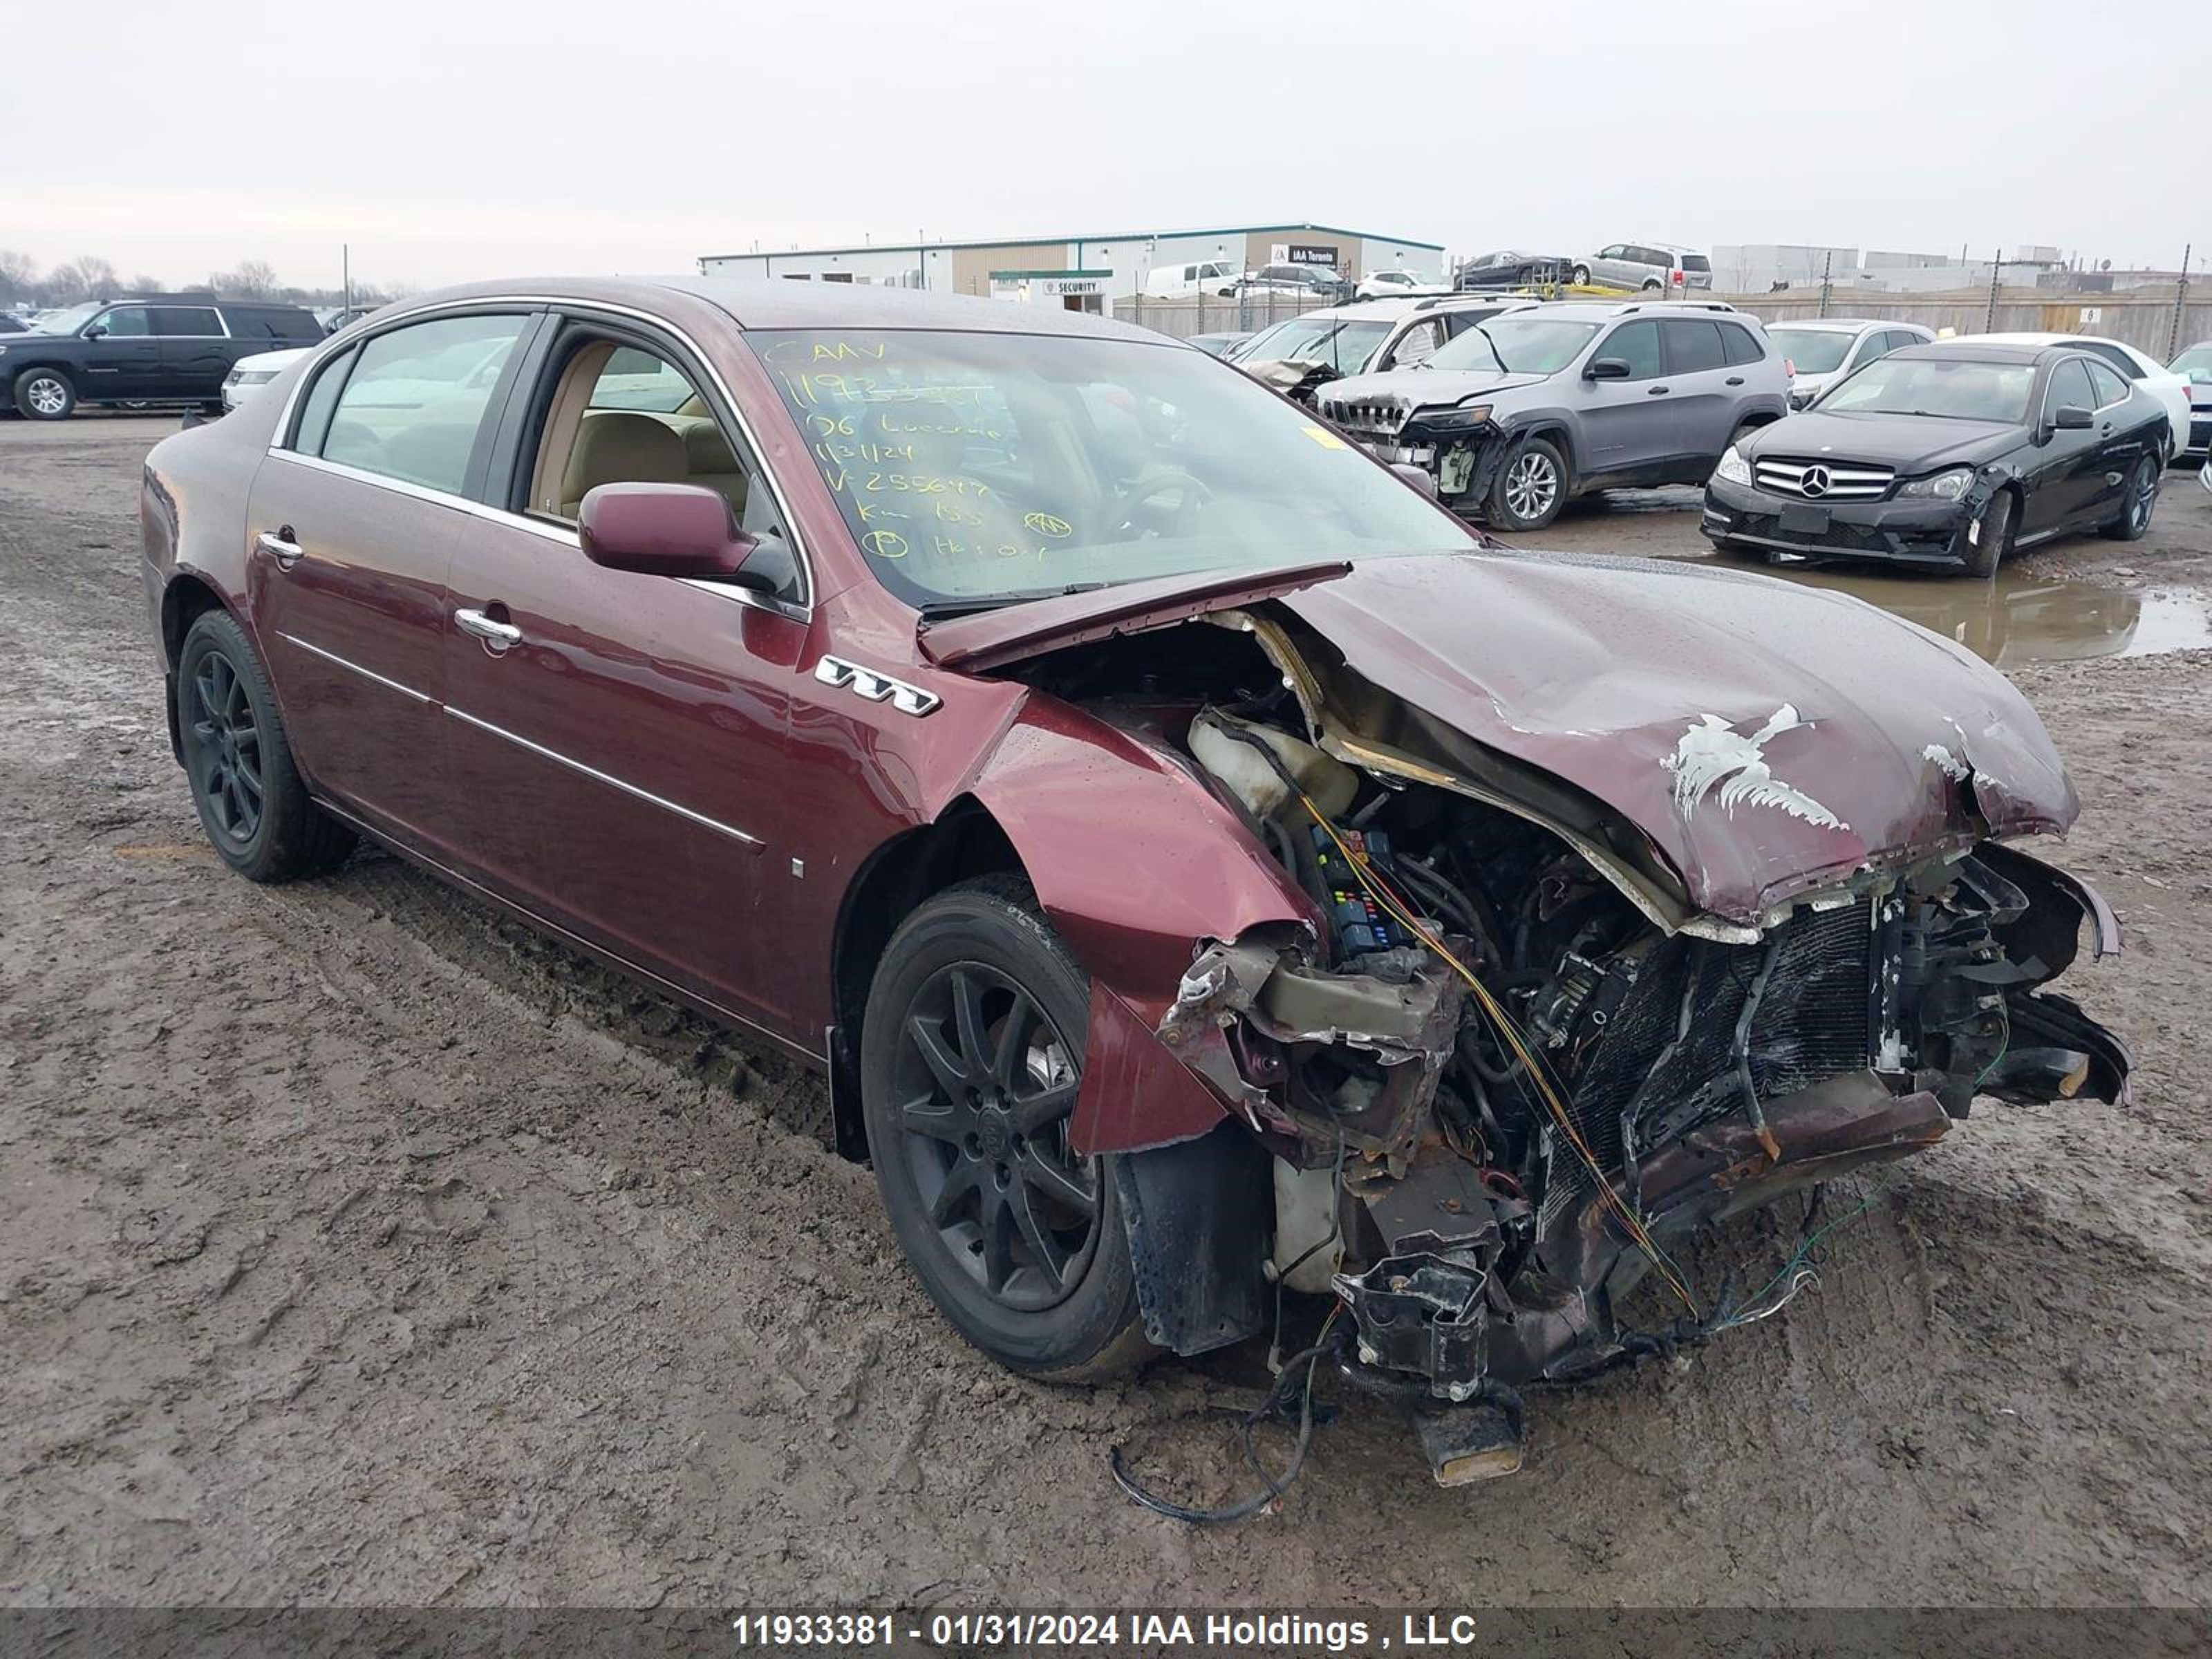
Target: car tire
970, 1053
1652, 286
1580, 274
2140, 501
1530, 487
44, 394
1984, 552
251, 801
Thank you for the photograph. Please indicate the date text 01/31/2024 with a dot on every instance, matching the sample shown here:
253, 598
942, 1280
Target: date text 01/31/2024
1246, 1631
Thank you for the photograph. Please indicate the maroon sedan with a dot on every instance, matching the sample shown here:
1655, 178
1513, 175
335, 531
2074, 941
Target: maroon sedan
1201, 864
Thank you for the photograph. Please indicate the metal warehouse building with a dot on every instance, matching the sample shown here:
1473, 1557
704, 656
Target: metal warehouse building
1084, 273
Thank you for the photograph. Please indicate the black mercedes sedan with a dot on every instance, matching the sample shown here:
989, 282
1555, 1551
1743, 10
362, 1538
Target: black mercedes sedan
1950, 456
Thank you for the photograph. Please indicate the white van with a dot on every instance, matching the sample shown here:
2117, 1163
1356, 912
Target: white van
1201, 276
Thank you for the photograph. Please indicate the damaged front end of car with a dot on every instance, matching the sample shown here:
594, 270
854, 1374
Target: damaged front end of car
1558, 998
1460, 445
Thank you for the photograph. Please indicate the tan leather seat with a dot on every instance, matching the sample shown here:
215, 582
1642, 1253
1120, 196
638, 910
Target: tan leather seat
616, 445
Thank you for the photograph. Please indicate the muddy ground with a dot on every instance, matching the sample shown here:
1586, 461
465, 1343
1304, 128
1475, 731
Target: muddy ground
358, 1246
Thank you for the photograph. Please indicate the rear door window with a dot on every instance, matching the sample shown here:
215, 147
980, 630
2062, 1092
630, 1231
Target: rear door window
187, 322
414, 404
2111, 388
1694, 346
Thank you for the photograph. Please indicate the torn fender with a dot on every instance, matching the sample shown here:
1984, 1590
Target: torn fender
1137, 865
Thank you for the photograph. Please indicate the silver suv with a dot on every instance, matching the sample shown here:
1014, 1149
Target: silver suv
1519, 414
1654, 267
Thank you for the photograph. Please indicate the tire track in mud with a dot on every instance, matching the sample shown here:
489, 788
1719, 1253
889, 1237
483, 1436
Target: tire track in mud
363, 1247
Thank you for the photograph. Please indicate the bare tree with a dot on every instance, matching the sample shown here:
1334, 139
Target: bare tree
88, 277
19, 274
254, 279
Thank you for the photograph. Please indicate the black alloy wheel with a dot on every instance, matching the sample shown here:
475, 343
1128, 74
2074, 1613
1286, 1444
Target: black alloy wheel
226, 748
2137, 505
987, 1087
251, 801
971, 1057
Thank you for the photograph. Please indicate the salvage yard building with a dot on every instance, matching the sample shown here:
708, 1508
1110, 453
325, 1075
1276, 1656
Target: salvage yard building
1084, 272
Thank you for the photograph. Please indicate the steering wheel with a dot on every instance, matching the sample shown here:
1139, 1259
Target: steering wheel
1139, 508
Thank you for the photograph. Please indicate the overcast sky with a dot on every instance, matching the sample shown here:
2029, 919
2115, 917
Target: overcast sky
460, 139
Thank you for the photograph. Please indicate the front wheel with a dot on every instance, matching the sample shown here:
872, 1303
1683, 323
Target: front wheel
44, 394
251, 801
1983, 545
972, 1056
1581, 274
1531, 487
2141, 498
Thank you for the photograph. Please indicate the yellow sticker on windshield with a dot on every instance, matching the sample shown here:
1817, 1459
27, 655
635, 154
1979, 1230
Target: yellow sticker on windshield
1323, 436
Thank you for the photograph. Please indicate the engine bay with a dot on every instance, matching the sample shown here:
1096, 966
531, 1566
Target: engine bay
1495, 1090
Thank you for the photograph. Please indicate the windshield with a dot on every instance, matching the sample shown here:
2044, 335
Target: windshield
1346, 346
1813, 350
67, 322
993, 467
2196, 363
1526, 345
1956, 388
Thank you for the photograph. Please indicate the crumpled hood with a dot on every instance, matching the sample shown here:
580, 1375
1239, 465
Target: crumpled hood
1770, 739
1910, 443
1424, 388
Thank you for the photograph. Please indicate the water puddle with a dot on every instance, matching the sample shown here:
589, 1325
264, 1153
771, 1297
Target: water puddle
2016, 618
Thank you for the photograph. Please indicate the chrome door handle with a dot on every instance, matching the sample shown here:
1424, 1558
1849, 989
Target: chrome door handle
493, 632
280, 546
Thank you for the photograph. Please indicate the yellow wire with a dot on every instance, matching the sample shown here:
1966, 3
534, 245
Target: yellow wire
1511, 1032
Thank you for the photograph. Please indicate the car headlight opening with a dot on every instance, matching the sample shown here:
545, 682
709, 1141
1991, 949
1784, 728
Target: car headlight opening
1733, 467
1947, 486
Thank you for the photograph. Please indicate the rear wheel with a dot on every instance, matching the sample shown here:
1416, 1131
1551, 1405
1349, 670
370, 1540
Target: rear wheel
44, 394
971, 1055
1531, 487
251, 802
1985, 544
2141, 500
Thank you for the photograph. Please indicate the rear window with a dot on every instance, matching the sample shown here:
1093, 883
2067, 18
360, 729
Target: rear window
2196, 363
1695, 261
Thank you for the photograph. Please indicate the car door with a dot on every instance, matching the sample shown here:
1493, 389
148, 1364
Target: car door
1626, 432
620, 735
196, 350
122, 358
2068, 475
2129, 421
354, 518
1611, 265
1700, 404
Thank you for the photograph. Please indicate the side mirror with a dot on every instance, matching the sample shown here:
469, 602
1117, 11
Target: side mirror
1607, 368
662, 530
1419, 477
96, 331
2072, 417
